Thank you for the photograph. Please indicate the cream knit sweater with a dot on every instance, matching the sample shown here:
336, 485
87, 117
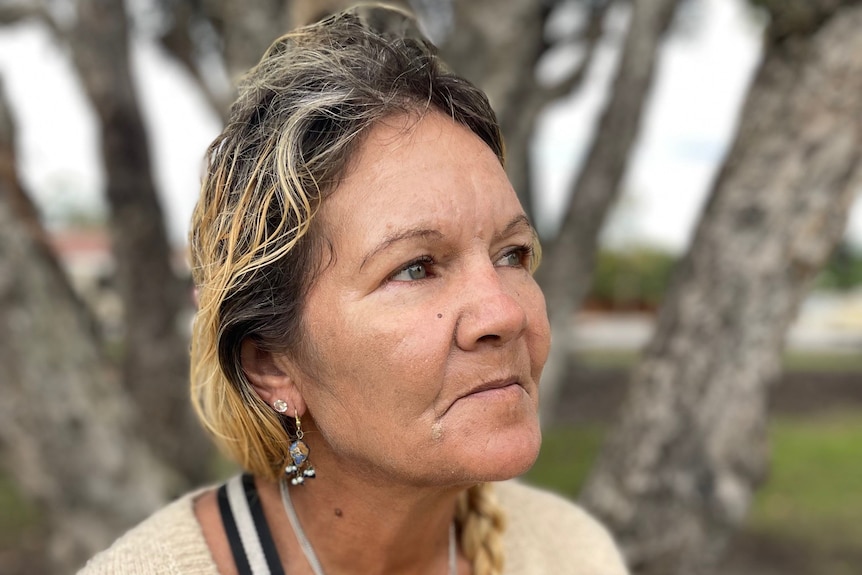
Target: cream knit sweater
546, 535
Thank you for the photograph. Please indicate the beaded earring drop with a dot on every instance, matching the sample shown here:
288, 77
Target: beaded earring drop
300, 468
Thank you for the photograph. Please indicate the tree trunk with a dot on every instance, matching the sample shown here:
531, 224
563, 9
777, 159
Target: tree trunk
244, 30
65, 427
567, 271
303, 12
677, 475
182, 38
249, 28
499, 54
155, 355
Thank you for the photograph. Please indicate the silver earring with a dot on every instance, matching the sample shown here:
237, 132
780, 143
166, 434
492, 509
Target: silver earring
299, 468
279, 405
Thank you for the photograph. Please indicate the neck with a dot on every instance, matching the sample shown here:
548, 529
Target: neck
361, 526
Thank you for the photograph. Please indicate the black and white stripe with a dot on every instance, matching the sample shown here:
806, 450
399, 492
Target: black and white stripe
245, 526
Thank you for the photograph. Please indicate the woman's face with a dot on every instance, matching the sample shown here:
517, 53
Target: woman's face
428, 331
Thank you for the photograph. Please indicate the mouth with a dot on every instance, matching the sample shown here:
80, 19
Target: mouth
489, 386
503, 390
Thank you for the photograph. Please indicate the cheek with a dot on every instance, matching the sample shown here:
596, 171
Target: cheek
539, 329
403, 364
378, 360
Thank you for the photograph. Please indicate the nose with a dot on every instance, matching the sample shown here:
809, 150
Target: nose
491, 313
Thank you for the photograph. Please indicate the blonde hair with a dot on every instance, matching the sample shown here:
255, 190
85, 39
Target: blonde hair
255, 244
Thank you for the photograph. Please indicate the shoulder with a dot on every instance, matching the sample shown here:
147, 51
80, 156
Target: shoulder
547, 533
169, 541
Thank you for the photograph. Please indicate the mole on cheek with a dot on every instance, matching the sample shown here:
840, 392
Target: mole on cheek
338, 512
439, 315
437, 431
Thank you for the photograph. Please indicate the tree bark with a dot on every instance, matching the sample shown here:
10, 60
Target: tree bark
500, 54
184, 40
248, 28
569, 262
155, 354
65, 427
303, 12
519, 111
244, 31
678, 472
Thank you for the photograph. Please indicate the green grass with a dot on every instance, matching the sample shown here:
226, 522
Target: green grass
793, 360
827, 362
16, 513
813, 493
566, 456
607, 358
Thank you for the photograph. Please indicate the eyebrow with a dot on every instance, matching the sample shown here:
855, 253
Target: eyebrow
515, 225
422, 233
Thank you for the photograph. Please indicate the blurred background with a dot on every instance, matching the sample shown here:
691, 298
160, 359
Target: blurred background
693, 167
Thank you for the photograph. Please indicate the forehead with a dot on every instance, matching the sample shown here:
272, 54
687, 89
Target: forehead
419, 171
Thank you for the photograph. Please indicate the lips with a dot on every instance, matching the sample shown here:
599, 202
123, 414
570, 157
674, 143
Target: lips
490, 389
495, 384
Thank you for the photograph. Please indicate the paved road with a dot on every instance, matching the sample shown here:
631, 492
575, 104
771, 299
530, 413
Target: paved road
826, 323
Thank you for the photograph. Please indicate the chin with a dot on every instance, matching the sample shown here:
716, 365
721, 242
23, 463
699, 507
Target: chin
506, 454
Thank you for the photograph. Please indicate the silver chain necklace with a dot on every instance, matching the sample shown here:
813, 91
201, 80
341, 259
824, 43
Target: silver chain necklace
311, 556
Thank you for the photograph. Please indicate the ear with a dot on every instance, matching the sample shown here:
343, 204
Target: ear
269, 375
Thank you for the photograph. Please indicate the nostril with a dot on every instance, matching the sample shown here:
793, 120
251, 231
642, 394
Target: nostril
490, 338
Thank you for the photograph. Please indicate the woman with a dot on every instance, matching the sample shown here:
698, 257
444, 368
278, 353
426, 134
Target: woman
370, 337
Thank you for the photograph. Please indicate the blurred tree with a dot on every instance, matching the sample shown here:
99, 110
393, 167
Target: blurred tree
197, 32
672, 483
154, 348
630, 279
569, 262
66, 435
677, 475
155, 356
502, 54
203, 34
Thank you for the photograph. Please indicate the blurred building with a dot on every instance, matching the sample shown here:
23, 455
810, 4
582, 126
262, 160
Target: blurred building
85, 255
827, 322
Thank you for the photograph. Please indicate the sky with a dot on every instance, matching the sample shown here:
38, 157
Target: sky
702, 75
58, 145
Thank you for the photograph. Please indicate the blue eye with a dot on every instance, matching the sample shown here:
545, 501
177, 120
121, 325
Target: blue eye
511, 259
415, 270
518, 257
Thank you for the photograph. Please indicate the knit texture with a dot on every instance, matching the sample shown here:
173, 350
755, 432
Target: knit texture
546, 535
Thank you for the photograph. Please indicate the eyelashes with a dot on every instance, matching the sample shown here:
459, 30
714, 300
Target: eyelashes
414, 270
524, 256
424, 267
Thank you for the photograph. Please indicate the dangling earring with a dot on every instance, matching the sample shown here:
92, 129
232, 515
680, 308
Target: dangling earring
300, 468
